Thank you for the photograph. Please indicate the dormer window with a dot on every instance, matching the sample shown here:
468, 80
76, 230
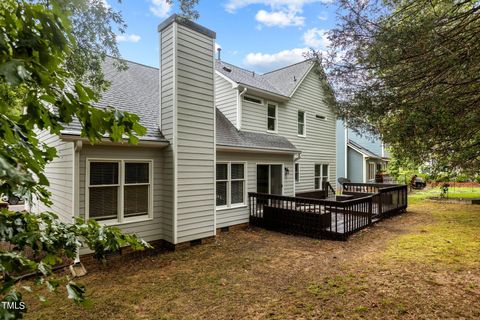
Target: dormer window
271, 117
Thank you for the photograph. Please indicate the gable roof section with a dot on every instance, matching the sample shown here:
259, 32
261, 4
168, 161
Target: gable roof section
228, 136
282, 82
357, 147
134, 90
287, 79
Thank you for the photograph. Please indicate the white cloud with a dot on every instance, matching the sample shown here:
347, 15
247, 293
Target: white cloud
292, 5
160, 8
282, 13
316, 38
217, 46
128, 38
263, 62
323, 17
279, 18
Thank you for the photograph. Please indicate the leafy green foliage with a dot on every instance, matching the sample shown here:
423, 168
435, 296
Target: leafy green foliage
39, 241
51, 52
409, 70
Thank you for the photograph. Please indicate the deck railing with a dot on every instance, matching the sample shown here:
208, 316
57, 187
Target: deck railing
387, 198
324, 219
334, 218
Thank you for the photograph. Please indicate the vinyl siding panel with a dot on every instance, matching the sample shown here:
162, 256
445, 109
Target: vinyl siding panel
355, 166
226, 99
195, 135
149, 230
166, 168
230, 217
319, 144
59, 173
254, 116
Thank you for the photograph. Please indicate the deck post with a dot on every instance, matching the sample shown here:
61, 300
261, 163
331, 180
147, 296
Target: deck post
370, 204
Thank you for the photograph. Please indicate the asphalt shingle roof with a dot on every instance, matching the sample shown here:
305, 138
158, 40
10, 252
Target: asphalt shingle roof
228, 135
282, 81
134, 90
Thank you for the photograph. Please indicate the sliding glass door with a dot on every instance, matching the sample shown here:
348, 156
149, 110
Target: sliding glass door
269, 178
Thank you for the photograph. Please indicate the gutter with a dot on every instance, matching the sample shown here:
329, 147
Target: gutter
144, 142
273, 95
257, 149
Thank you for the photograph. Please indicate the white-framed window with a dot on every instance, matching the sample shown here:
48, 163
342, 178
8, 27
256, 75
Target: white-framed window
230, 184
119, 190
297, 172
321, 175
253, 99
301, 123
371, 170
272, 116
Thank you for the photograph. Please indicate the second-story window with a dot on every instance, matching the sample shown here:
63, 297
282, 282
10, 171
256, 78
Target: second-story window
301, 123
271, 117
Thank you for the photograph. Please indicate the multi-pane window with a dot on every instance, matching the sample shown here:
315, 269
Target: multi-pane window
297, 172
321, 175
301, 123
118, 190
230, 184
271, 117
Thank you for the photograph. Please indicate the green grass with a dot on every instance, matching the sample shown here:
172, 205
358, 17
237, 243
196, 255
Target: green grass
454, 193
453, 238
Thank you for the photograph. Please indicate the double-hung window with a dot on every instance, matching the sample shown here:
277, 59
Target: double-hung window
321, 175
120, 190
271, 117
301, 130
230, 184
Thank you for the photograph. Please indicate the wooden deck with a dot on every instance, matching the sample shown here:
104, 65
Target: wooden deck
331, 218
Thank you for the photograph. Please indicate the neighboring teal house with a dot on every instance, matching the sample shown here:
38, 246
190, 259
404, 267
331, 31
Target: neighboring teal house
359, 158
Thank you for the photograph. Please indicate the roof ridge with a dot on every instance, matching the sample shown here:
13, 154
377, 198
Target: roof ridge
231, 64
291, 65
134, 62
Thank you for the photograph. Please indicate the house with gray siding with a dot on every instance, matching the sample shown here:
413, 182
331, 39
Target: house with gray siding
214, 133
359, 157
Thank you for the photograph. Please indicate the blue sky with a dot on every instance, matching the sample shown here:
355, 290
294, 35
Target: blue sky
259, 35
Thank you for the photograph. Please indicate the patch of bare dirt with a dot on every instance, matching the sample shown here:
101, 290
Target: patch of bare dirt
258, 274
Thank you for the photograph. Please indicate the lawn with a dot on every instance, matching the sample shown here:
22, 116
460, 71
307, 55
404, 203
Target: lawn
453, 193
424, 264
